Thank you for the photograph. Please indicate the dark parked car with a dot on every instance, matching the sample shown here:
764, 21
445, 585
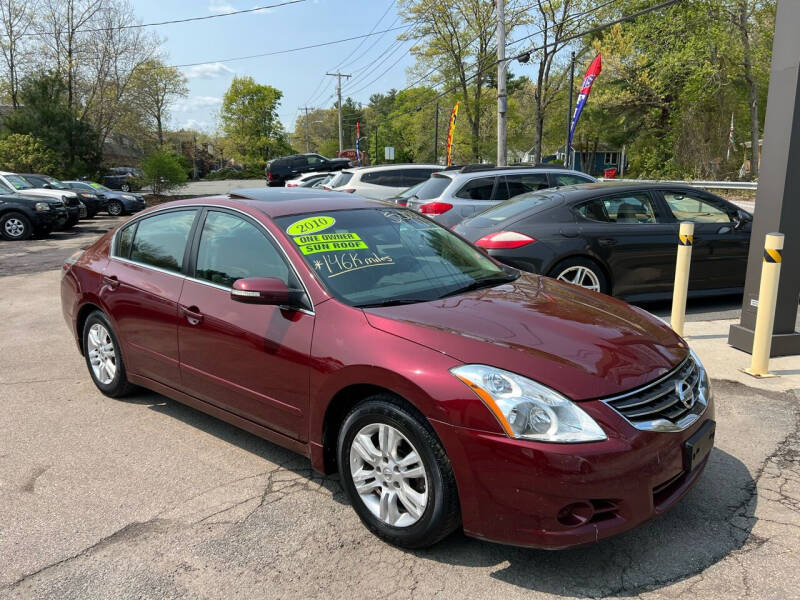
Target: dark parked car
93, 201
23, 216
116, 203
279, 170
447, 389
126, 179
619, 239
70, 199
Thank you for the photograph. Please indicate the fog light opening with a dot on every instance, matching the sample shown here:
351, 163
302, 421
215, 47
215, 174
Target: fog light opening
578, 513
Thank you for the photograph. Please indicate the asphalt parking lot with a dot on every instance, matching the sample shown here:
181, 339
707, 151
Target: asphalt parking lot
147, 498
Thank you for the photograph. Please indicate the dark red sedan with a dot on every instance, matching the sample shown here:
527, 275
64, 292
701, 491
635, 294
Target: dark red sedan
448, 390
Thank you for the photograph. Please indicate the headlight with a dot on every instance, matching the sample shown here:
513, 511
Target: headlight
128, 197
42, 207
704, 384
528, 410
87, 195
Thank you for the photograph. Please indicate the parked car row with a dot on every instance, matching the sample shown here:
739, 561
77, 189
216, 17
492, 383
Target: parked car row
619, 239
286, 168
37, 204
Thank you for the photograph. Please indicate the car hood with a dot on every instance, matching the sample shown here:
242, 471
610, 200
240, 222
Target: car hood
45, 193
580, 343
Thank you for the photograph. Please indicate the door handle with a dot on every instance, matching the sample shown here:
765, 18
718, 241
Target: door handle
192, 314
111, 281
607, 241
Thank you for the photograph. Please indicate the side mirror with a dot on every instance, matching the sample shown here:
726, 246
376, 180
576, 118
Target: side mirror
740, 219
47, 186
260, 290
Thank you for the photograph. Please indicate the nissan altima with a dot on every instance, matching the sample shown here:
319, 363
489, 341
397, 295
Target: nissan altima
618, 239
447, 390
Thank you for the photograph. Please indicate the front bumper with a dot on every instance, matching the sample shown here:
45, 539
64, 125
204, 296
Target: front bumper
560, 495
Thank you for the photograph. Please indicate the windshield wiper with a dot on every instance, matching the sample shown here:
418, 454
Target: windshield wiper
395, 302
481, 283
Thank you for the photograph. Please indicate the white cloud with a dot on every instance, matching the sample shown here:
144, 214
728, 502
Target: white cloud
220, 7
197, 103
195, 124
208, 71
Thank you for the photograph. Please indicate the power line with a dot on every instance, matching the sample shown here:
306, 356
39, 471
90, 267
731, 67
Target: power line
344, 60
526, 53
290, 50
158, 23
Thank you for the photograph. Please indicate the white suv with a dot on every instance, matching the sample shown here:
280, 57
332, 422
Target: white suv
381, 182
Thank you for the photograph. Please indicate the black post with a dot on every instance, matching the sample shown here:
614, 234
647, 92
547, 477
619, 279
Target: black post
436, 136
777, 208
569, 108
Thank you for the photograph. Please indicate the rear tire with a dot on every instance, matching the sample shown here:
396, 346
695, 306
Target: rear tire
103, 356
582, 272
15, 226
125, 187
419, 496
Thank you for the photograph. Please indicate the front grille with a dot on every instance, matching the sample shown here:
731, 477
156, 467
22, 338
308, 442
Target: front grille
71, 201
671, 403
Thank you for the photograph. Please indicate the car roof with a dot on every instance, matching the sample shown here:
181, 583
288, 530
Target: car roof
471, 172
585, 191
391, 166
278, 202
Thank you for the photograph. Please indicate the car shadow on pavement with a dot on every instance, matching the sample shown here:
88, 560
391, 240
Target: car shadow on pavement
273, 453
713, 520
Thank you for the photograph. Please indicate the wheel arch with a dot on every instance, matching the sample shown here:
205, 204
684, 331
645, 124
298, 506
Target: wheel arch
80, 320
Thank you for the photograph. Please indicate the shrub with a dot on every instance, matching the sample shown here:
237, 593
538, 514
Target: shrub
24, 153
163, 171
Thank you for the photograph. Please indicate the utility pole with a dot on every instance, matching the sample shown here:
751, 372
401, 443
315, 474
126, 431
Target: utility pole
436, 136
376, 142
569, 109
339, 102
502, 100
308, 142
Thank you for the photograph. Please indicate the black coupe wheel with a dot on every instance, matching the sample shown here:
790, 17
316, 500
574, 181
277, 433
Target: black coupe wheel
582, 272
15, 226
396, 473
115, 208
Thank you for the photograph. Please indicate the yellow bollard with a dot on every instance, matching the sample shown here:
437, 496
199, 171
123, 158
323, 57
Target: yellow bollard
767, 297
681, 288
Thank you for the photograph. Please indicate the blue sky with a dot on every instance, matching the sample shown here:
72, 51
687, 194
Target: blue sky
297, 74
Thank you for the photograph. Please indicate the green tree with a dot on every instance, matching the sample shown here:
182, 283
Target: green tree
163, 171
249, 119
44, 114
154, 87
27, 154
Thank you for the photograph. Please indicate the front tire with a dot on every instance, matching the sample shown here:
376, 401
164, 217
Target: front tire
15, 226
582, 272
125, 187
115, 208
103, 357
396, 473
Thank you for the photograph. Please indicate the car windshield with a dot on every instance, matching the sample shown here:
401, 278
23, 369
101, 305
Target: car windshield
515, 208
433, 187
102, 188
18, 182
382, 256
54, 183
341, 178
412, 191
4, 189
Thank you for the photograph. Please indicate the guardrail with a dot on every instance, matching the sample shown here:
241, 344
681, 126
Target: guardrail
709, 185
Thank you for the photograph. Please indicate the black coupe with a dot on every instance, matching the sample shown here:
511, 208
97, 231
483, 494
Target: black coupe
619, 239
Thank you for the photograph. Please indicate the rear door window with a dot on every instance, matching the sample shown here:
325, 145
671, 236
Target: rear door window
415, 176
341, 178
630, 208
477, 189
160, 240
384, 177
298, 162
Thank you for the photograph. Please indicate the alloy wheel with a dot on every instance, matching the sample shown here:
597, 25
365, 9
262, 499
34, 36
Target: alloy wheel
389, 475
14, 227
115, 208
582, 276
102, 356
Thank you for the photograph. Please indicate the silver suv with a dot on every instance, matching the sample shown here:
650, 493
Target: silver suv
451, 196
